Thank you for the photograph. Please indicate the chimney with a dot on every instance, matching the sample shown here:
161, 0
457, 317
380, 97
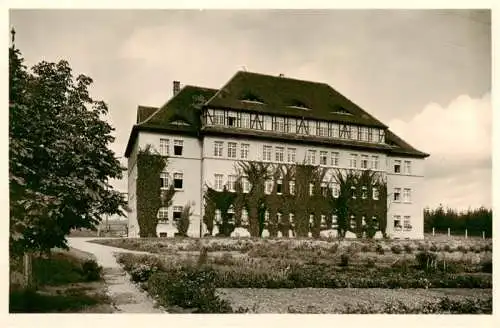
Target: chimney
177, 87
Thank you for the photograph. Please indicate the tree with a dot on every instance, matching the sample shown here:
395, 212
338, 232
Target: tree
183, 223
59, 157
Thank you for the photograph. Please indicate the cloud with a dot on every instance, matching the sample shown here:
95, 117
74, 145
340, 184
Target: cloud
458, 138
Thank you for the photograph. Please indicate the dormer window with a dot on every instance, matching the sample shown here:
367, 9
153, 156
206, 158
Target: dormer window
341, 110
299, 105
251, 97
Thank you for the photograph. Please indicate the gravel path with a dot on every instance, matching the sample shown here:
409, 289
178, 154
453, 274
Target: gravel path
126, 297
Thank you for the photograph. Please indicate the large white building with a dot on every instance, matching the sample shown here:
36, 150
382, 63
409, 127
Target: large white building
255, 117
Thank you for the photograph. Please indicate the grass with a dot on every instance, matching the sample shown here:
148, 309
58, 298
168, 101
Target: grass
64, 282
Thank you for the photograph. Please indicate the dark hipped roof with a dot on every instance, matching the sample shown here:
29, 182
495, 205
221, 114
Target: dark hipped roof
276, 94
143, 112
281, 95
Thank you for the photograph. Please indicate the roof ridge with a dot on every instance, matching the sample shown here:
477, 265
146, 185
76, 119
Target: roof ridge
282, 77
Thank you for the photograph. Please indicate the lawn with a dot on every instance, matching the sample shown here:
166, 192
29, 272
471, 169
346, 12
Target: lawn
66, 282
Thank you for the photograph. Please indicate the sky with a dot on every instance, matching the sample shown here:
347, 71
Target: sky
424, 73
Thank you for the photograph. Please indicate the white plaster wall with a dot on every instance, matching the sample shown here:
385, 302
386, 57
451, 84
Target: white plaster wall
415, 208
189, 164
133, 226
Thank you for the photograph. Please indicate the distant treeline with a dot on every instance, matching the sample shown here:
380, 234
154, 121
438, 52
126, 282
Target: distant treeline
474, 220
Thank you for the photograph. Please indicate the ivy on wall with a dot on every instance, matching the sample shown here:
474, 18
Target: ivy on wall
312, 212
150, 197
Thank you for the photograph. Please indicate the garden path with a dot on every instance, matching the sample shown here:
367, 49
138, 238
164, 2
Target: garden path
126, 297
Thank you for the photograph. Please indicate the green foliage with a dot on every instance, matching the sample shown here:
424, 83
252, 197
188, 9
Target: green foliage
474, 220
91, 270
59, 156
445, 305
426, 260
188, 288
150, 197
183, 223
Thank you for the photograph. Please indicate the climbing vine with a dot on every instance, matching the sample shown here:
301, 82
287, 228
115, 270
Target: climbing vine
312, 201
150, 197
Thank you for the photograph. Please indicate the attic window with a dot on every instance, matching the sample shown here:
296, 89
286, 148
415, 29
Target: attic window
299, 104
178, 122
251, 98
341, 111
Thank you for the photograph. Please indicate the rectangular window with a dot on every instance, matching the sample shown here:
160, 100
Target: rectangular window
178, 145
245, 120
266, 153
407, 167
397, 194
397, 222
164, 151
178, 180
407, 195
218, 216
268, 187
231, 149
244, 217
232, 121
311, 157
335, 159
335, 189
353, 192
279, 187
164, 180
279, 154
352, 162
345, 132
218, 147
323, 157
374, 162
219, 117
279, 124
364, 192
246, 185
292, 187
292, 152
292, 217
333, 130
324, 189
364, 133
364, 161
375, 194
231, 182
322, 129
359, 133
381, 136
311, 189
244, 150
163, 214
397, 166
407, 223
218, 182
177, 212
370, 135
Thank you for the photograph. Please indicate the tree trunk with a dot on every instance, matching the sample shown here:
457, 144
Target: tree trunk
28, 270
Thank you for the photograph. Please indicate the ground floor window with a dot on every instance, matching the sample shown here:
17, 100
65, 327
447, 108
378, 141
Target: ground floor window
177, 212
407, 223
163, 234
397, 223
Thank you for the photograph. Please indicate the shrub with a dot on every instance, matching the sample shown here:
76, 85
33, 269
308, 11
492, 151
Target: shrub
462, 248
433, 248
189, 288
91, 270
447, 248
182, 224
379, 249
344, 260
408, 249
396, 249
487, 266
365, 248
426, 260
203, 257
370, 263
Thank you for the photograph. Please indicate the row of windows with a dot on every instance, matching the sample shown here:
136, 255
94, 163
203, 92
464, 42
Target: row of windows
163, 214
165, 147
281, 124
178, 180
405, 225
278, 184
406, 197
365, 162
406, 167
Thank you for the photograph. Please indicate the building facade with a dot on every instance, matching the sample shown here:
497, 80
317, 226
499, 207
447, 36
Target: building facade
205, 133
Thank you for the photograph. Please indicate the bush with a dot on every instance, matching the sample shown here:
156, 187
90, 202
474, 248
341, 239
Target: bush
379, 249
396, 249
487, 266
189, 288
408, 249
433, 248
91, 270
426, 260
344, 260
370, 263
462, 248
